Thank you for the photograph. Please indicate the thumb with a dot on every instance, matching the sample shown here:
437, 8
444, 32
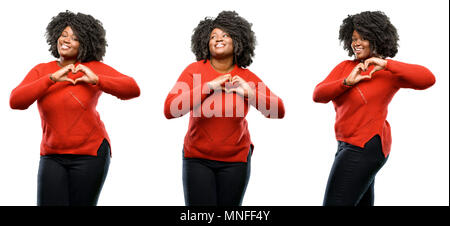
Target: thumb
80, 79
229, 90
366, 77
374, 70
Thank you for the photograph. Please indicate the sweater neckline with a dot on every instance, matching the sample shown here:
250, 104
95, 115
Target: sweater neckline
232, 72
57, 64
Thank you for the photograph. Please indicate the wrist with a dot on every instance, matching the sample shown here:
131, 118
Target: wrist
210, 86
251, 95
51, 78
345, 82
96, 80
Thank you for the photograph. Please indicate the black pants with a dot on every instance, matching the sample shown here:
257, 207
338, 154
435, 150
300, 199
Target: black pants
215, 183
352, 176
74, 180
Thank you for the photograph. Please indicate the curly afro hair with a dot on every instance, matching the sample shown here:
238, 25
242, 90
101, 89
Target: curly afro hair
89, 31
240, 31
373, 26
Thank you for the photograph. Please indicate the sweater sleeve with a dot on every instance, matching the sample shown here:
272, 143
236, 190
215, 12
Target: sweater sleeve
410, 75
29, 90
333, 85
265, 101
185, 95
117, 84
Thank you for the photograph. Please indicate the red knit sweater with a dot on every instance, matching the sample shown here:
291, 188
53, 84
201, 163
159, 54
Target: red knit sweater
361, 110
70, 122
217, 125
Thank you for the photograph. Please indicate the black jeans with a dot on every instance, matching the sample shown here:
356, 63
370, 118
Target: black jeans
75, 180
352, 176
215, 183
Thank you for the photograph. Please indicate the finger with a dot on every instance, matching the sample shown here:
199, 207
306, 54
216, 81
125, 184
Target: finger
373, 71
77, 80
78, 68
229, 90
65, 69
224, 80
225, 77
68, 68
366, 77
235, 79
368, 62
359, 67
81, 79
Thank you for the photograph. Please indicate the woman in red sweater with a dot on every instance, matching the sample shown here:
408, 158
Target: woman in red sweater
217, 91
361, 90
75, 150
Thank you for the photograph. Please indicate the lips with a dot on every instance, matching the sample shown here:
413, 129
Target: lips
357, 50
219, 45
65, 47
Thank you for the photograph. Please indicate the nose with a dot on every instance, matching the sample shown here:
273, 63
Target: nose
66, 39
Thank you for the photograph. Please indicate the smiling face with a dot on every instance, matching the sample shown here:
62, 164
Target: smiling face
220, 44
68, 44
360, 46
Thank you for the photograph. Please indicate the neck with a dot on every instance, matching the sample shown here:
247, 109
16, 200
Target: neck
224, 65
64, 61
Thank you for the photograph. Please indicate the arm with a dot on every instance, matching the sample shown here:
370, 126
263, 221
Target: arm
29, 90
185, 95
411, 75
115, 83
265, 101
332, 87
269, 104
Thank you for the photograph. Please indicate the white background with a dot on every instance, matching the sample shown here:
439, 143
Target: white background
297, 47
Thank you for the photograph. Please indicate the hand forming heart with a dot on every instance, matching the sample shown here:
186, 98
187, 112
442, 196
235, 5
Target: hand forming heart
231, 84
355, 76
379, 63
61, 74
88, 77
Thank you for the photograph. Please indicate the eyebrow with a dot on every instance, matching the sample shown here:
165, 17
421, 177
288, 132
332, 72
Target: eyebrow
223, 33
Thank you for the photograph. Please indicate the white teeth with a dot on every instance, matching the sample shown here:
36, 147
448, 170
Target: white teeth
64, 47
219, 45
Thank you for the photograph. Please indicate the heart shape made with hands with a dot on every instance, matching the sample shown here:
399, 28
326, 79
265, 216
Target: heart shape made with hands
238, 85
231, 84
375, 62
364, 70
87, 77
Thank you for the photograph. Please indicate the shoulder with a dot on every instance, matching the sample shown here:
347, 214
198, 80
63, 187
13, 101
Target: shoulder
99, 67
247, 74
45, 68
42, 66
96, 64
196, 67
346, 63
